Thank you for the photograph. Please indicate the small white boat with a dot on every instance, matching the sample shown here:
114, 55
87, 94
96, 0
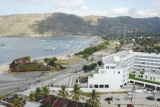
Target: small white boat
42, 40
52, 49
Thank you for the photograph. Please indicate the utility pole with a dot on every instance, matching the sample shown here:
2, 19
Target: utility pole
135, 32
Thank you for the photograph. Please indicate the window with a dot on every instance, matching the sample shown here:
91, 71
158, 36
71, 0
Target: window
95, 86
106, 86
118, 72
101, 86
107, 67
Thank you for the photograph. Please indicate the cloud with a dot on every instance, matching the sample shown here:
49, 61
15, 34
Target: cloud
128, 12
69, 3
123, 11
84, 9
26, 1
156, 3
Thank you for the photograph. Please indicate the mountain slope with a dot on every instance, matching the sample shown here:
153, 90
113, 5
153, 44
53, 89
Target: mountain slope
60, 24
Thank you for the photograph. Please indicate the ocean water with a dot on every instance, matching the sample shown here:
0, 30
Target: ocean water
16, 47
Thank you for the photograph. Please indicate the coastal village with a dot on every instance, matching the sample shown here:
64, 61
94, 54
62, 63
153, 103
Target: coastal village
74, 87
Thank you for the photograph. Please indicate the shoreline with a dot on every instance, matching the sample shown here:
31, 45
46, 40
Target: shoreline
5, 66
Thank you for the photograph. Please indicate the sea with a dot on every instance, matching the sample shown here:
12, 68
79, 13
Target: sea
17, 47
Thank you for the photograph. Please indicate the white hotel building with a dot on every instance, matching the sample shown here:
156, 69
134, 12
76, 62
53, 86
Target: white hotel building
116, 68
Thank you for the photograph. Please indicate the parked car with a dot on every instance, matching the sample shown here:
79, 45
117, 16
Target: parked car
158, 99
128, 97
150, 98
108, 99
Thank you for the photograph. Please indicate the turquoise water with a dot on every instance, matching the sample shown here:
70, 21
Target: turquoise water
15, 47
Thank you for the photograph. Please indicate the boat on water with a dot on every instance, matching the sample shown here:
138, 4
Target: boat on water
52, 49
42, 40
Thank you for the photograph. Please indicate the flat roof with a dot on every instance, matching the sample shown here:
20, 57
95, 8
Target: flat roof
123, 55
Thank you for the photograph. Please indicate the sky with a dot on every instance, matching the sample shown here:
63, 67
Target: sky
108, 8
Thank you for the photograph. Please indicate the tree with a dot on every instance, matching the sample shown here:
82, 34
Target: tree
63, 93
93, 66
76, 94
85, 68
85, 56
122, 41
54, 59
52, 63
93, 101
99, 63
118, 48
45, 91
31, 97
17, 103
38, 94
27, 58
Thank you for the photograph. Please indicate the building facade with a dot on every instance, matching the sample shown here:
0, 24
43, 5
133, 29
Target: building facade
116, 68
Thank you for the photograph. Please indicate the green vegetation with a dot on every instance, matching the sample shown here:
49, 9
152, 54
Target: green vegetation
99, 63
50, 59
63, 93
89, 51
24, 64
93, 100
122, 41
27, 58
76, 94
147, 44
131, 76
90, 67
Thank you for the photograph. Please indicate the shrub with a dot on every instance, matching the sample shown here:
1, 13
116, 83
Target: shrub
27, 58
58, 67
52, 63
99, 63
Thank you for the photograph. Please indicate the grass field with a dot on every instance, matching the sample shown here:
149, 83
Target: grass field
70, 61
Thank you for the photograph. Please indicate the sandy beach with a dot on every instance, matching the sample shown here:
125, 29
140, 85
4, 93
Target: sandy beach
5, 67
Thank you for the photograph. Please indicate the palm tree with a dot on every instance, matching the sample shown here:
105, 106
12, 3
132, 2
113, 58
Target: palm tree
63, 93
31, 97
17, 103
76, 94
45, 91
38, 94
93, 101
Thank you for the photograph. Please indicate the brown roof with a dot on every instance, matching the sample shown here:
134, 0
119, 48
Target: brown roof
49, 99
130, 105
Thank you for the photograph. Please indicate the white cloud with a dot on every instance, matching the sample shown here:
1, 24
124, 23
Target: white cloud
69, 3
128, 12
123, 11
24, 0
156, 3
84, 9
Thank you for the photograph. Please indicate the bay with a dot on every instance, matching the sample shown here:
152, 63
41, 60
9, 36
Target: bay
16, 47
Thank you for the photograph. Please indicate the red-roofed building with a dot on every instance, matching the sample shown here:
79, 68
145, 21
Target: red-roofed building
49, 99
60, 103
130, 105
